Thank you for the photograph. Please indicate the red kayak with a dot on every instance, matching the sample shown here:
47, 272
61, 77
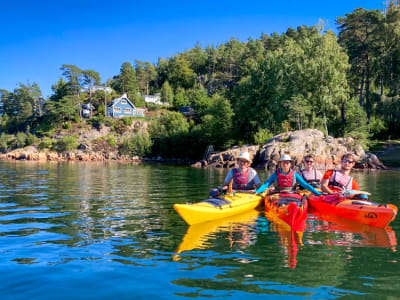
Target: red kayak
289, 209
363, 211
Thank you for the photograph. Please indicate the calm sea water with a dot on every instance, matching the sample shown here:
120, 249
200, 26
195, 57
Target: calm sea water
108, 230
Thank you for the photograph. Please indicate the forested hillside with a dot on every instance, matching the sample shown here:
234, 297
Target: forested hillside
241, 92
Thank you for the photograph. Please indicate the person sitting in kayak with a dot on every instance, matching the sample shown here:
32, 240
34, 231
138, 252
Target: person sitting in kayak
244, 177
310, 174
286, 178
340, 179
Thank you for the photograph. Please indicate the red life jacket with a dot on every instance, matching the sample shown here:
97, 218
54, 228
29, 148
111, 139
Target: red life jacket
240, 180
286, 182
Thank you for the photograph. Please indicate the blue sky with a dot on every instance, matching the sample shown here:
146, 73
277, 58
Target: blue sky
37, 37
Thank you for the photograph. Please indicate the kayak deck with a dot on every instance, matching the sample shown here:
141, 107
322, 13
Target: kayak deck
290, 209
218, 207
365, 212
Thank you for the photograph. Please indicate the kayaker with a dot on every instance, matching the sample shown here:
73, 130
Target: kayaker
286, 178
244, 177
340, 179
310, 174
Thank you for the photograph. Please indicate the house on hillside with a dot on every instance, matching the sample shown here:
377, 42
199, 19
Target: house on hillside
123, 107
155, 99
187, 111
96, 88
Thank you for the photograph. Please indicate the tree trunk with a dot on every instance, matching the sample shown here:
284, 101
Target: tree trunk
362, 88
343, 115
367, 91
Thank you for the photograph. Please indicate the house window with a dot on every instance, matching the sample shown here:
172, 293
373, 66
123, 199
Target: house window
117, 109
123, 101
127, 110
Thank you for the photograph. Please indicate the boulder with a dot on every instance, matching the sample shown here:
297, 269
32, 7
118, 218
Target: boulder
327, 151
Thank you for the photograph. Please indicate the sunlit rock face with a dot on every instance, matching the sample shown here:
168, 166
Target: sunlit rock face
328, 151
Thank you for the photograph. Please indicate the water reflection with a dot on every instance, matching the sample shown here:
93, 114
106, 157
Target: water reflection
240, 231
112, 228
345, 232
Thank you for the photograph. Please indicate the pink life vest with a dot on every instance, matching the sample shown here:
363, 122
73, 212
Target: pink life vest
286, 182
341, 181
312, 178
240, 180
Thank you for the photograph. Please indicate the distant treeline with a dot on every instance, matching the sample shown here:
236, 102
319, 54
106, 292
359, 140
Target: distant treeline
245, 92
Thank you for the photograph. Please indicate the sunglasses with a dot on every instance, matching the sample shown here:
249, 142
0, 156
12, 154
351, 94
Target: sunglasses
346, 160
309, 161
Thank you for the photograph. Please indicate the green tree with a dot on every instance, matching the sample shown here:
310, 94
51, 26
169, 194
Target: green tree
167, 95
180, 73
216, 124
127, 80
74, 77
358, 34
146, 73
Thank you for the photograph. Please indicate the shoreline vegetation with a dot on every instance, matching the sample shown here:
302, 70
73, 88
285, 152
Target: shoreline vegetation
297, 143
344, 89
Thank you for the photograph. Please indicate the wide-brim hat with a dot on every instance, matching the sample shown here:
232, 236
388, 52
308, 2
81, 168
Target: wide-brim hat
285, 157
245, 156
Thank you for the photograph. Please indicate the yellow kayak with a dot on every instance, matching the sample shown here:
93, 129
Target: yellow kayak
219, 207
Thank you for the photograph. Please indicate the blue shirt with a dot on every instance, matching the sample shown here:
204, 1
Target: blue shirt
299, 180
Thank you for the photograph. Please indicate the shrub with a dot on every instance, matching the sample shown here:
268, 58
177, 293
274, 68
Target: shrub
67, 125
46, 143
67, 143
96, 121
262, 136
4, 142
120, 126
31, 139
111, 141
127, 121
137, 144
20, 139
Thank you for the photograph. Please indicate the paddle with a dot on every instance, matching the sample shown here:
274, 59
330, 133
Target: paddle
350, 193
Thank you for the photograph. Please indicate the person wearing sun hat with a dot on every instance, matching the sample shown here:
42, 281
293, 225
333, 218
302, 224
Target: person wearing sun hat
244, 177
286, 178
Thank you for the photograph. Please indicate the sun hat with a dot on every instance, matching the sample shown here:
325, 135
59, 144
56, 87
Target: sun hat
245, 156
285, 157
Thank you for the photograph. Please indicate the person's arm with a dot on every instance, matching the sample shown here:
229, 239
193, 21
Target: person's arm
305, 185
228, 179
355, 185
256, 180
319, 175
325, 182
267, 183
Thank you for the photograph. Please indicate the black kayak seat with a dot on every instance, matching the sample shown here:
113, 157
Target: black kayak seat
217, 202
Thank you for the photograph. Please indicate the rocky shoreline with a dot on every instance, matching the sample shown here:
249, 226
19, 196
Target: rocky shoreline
327, 151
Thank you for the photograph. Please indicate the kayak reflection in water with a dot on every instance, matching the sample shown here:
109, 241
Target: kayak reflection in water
240, 230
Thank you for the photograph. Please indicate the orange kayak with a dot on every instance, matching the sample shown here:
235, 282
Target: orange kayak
290, 209
365, 212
